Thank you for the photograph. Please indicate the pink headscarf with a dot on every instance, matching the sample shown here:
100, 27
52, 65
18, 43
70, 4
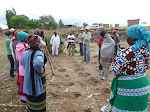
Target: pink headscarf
42, 33
114, 31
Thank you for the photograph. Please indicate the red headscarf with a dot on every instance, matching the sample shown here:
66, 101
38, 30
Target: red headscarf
15, 35
42, 33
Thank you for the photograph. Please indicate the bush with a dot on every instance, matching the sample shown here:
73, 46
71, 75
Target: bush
61, 46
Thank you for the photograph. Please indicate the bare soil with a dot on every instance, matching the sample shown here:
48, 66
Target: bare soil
75, 87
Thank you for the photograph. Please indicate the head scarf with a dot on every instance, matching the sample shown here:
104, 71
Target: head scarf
141, 34
114, 31
103, 32
37, 32
42, 33
21, 35
15, 35
33, 41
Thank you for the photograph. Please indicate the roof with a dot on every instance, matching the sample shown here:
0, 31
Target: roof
134, 19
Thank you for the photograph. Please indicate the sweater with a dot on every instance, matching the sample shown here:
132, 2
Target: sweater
20, 49
87, 38
7, 44
38, 63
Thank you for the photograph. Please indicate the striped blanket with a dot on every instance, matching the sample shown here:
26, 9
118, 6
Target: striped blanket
38, 103
130, 93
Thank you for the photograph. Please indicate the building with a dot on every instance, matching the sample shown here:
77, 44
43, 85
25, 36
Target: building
100, 24
105, 25
71, 26
116, 25
133, 22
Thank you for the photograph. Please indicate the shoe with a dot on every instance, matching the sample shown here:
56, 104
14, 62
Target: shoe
84, 60
100, 67
12, 78
104, 78
22, 101
87, 62
101, 74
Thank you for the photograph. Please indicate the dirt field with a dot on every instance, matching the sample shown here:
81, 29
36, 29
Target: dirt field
76, 86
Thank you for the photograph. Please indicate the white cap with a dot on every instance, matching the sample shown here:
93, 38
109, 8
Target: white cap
12, 30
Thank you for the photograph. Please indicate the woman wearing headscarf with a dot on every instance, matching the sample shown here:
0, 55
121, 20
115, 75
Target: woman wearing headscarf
34, 78
106, 56
15, 41
130, 87
42, 43
20, 49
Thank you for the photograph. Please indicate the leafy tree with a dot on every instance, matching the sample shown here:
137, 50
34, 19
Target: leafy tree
85, 24
61, 23
48, 22
9, 14
20, 22
33, 23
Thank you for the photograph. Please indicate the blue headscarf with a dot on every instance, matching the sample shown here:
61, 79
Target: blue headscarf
141, 34
103, 32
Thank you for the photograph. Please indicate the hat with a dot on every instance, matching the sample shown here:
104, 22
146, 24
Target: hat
33, 41
12, 29
21, 35
37, 32
15, 33
103, 32
114, 31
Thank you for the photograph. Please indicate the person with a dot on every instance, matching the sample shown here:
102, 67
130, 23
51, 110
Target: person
9, 53
117, 40
20, 49
34, 77
102, 34
107, 54
130, 88
12, 30
42, 36
71, 43
86, 46
42, 43
80, 41
54, 42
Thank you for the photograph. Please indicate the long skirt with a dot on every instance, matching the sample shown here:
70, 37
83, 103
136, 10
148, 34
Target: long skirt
38, 103
130, 93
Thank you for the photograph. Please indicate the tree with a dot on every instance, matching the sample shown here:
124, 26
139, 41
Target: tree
61, 23
9, 14
33, 23
48, 22
20, 22
85, 24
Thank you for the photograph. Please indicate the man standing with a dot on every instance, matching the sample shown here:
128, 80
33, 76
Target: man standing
9, 35
71, 43
86, 46
116, 39
80, 41
55, 41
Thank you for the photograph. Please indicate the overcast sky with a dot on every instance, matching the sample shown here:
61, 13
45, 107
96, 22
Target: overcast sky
80, 11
